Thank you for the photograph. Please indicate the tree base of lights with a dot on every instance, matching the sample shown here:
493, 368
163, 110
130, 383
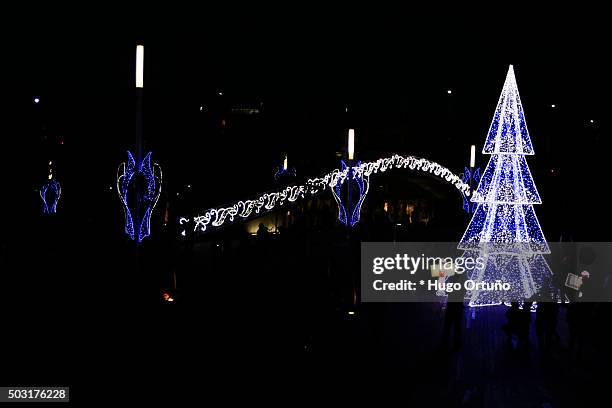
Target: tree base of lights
525, 276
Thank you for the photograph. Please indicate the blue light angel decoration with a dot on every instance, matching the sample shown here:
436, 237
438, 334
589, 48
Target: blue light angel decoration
139, 199
284, 172
356, 185
471, 178
50, 194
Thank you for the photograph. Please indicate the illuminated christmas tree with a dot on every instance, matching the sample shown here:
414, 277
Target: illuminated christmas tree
504, 229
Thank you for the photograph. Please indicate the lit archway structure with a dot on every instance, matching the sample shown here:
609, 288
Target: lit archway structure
216, 218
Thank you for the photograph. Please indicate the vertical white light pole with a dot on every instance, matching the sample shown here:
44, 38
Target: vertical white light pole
139, 97
473, 156
139, 66
351, 144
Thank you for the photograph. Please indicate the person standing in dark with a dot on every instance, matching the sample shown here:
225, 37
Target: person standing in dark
453, 318
579, 316
524, 322
575, 325
262, 231
546, 322
511, 328
566, 266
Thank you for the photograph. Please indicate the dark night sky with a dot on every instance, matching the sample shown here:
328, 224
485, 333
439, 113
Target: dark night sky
74, 287
393, 75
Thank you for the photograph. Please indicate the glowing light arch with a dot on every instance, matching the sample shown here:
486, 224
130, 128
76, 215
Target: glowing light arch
215, 218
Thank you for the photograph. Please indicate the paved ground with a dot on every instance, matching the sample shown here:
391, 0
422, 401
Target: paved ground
399, 344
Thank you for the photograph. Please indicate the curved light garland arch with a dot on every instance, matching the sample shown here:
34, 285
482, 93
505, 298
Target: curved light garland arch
220, 216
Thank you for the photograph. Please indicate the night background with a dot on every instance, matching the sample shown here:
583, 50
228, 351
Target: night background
224, 101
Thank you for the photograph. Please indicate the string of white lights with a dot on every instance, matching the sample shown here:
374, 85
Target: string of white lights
217, 217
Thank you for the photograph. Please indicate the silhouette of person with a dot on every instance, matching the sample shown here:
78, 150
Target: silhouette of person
565, 267
262, 231
524, 321
566, 256
511, 328
575, 325
579, 314
546, 321
453, 318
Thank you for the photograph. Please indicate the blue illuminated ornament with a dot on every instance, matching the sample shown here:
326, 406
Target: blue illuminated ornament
357, 186
504, 230
283, 171
50, 194
470, 178
139, 205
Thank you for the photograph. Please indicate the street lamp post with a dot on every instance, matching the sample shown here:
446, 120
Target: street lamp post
352, 187
472, 157
350, 192
283, 175
139, 99
139, 180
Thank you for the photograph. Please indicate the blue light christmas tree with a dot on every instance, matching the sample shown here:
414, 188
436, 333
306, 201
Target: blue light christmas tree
504, 229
